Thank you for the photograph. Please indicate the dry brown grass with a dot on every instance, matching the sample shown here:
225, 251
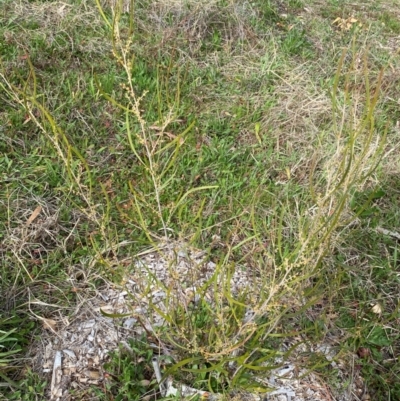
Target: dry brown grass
35, 229
50, 19
185, 25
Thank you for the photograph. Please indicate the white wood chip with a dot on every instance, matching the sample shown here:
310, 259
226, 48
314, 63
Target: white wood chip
56, 391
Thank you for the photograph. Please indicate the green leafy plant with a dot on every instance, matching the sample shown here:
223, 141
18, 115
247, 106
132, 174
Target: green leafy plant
7, 342
213, 333
129, 372
155, 148
31, 388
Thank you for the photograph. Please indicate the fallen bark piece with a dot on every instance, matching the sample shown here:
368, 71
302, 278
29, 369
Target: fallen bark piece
56, 390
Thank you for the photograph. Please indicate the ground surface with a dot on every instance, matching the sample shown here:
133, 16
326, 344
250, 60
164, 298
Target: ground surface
258, 142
